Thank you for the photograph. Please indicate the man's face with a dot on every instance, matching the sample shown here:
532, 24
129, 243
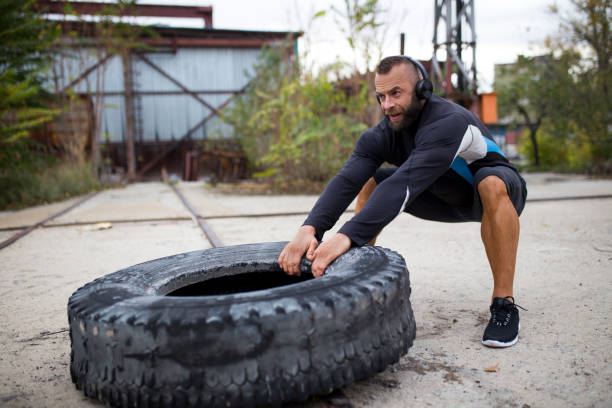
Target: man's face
395, 90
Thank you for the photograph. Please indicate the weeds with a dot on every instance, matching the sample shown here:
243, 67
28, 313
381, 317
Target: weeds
296, 129
21, 186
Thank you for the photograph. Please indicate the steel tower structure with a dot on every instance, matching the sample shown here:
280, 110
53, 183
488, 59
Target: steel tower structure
454, 37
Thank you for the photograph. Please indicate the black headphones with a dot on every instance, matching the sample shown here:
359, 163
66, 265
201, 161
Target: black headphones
423, 88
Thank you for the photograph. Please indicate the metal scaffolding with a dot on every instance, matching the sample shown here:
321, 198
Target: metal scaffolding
454, 35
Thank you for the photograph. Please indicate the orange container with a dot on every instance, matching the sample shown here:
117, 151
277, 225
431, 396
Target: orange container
488, 107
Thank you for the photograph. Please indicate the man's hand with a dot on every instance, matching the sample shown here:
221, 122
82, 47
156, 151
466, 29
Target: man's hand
328, 251
303, 242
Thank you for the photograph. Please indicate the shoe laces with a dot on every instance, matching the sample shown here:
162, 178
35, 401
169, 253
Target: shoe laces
514, 304
501, 316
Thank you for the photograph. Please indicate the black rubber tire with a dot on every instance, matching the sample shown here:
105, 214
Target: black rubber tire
133, 346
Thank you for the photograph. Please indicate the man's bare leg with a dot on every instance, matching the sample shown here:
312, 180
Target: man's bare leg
362, 198
500, 233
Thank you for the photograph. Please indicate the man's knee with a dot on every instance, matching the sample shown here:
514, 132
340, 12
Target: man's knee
365, 193
492, 189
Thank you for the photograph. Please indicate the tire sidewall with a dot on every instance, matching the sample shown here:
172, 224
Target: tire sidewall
255, 348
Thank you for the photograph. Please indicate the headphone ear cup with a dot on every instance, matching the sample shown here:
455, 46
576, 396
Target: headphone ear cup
423, 89
427, 89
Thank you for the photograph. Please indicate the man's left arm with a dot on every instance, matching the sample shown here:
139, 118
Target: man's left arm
433, 155
329, 250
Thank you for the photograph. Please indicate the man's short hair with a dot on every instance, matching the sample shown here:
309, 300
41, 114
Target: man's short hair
386, 64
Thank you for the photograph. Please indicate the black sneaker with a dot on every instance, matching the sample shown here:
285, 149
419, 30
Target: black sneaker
504, 326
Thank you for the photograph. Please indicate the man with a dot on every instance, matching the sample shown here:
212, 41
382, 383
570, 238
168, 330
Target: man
448, 169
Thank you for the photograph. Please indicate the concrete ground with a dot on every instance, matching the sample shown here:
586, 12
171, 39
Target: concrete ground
564, 279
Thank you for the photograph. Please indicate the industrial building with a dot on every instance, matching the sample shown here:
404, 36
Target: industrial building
153, 102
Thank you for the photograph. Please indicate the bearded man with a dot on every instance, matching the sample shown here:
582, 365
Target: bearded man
447, 168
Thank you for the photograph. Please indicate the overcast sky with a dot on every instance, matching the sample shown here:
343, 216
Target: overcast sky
504, 29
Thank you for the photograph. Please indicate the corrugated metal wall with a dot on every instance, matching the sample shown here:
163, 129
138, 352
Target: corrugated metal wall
72, 62
162, 117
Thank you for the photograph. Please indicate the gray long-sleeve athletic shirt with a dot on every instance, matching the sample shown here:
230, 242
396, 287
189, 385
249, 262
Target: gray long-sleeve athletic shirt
446, 145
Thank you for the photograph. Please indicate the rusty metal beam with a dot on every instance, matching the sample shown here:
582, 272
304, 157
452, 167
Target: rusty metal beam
86, 30
155, 93
117, 221
186, 42
139, 10
206, 229
159, 219
170, 149
130, 120
169, 39
177, 83
87, 72
209, 42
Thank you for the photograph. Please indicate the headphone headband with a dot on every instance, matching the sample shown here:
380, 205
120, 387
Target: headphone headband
424, 87
418, 66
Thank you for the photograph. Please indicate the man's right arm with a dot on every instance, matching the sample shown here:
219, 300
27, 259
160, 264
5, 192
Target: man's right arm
338, 194
303, 242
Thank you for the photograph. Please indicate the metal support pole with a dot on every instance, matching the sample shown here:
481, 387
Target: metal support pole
130, 121
459, 9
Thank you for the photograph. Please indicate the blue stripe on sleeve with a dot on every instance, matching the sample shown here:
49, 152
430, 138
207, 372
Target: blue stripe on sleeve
492, 147
460, 167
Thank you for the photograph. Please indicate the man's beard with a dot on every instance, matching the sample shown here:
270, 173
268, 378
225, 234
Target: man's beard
409, 113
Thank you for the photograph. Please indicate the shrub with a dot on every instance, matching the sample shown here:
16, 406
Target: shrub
573, 153
38, 178
296, 127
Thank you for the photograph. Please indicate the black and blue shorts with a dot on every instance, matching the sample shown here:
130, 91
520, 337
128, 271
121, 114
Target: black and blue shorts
449, 200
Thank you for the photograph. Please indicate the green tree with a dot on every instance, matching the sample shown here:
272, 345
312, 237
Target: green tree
528, 92
28, 173
586, 31
25, 55
565, 93
294, 128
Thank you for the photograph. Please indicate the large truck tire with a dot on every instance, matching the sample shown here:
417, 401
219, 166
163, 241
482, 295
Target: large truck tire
212, 328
